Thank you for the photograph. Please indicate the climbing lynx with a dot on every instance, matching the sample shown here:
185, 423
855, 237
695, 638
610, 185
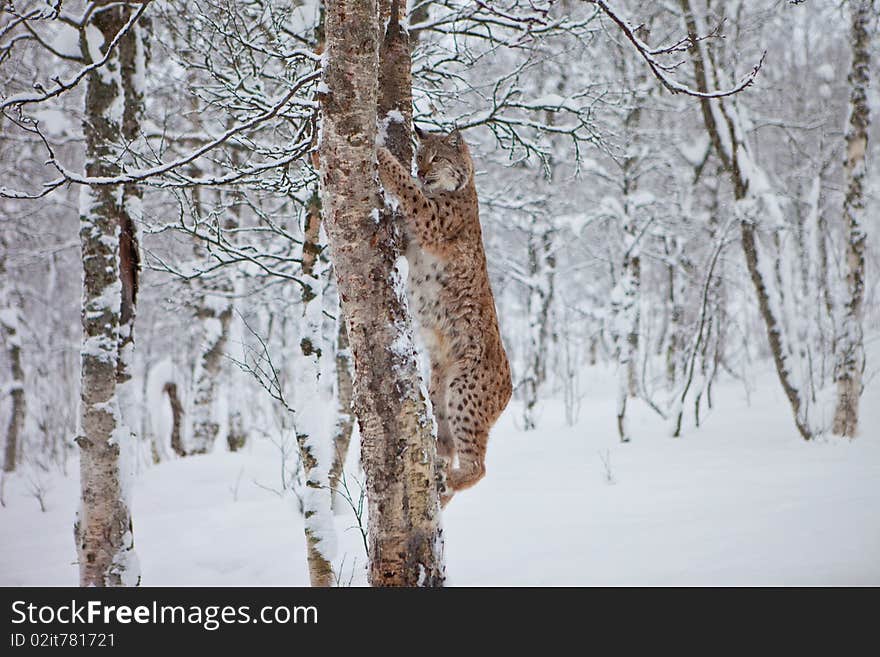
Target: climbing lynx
449, 289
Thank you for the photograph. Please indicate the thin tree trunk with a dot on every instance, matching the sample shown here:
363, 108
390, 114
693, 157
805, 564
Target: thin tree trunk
852, 349
236, 432
674, 329
626, 297
825, 304
170, 389
317, 501
634, 272
9, 321
774, 329
104, 533
214, 317
236, 403
214, 314
236, 435
624, 308
344, 412
542, 272
397, 441
632, 263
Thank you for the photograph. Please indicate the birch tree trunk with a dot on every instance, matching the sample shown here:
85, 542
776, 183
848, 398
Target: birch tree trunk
236, 403
344, 412
9, 322
315, 445
851, 353
103, 530
632, 262
214, 315
625, 317
542, 274
397, 438
626, 295
675, 312
170, 389
236, 431
624, 309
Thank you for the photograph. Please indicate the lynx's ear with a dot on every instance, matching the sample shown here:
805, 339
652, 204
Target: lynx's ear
421, 134
454, 138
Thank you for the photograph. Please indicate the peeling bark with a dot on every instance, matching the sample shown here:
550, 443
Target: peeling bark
397, 440
103, 531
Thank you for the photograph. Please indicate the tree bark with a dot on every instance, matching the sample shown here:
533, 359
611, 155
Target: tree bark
397, 439
344, 412
851, 354
317, 462
625, 314
170, 389
104, 532
236, 431
673, 330
632, 262
9, 321
542, 273
214, 315
626, 296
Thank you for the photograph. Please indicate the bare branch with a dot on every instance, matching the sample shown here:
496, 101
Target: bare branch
661, 70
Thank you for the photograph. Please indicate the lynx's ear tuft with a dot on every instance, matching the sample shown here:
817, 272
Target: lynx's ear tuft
421, 134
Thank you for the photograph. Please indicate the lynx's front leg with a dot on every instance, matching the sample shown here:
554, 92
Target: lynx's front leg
420, 212
399, 183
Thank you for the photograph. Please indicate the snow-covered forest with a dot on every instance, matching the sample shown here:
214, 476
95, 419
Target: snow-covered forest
210, 371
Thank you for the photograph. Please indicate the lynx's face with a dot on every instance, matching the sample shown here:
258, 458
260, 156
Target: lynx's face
444, 161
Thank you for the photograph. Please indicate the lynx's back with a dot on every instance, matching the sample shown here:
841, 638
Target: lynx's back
450, 292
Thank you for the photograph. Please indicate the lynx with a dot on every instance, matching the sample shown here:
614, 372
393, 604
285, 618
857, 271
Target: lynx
449, 289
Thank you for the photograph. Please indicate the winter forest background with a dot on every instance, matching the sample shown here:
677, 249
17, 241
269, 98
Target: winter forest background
680, 217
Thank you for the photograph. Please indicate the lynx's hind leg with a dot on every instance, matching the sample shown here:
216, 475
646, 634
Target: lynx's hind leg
471, 466
445, 442
470, 415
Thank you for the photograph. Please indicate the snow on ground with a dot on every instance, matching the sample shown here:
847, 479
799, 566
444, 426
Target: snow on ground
741, 501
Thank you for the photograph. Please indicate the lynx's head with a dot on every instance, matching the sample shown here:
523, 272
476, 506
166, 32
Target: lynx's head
444, 161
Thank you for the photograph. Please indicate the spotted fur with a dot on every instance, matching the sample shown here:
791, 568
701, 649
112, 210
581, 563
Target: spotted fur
450, 292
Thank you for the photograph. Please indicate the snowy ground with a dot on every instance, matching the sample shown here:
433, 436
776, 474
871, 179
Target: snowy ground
741, 501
